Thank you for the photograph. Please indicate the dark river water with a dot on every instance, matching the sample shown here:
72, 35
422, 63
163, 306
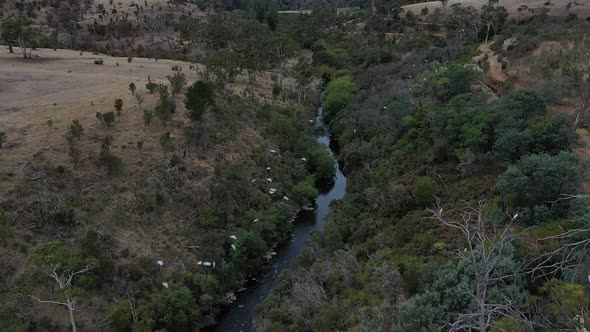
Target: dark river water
241, 315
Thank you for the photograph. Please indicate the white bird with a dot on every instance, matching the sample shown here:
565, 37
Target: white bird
440, 211
233, 246
253, 180
516, 215
233, 237
304, 159
255, 220
273, 151
286, 198
207, 263
269, 180
268, 168
311, 121
200, 263
165, 284
213, 264
161, 263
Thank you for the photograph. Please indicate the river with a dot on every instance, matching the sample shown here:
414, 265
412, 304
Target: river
241, 315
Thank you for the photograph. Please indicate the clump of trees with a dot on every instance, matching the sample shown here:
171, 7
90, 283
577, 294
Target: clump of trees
21, 31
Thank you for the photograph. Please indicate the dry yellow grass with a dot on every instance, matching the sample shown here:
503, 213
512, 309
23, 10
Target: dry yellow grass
63, 86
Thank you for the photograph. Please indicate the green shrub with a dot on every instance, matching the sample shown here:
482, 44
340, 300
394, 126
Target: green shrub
338, 95
425, 190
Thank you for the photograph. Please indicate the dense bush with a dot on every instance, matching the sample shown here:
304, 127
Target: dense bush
537, 182
199, 96
338, 95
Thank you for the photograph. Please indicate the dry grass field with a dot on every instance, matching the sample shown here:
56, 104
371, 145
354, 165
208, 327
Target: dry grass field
63, 86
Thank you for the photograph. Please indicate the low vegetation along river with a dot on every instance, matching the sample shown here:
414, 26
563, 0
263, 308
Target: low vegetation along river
241, 315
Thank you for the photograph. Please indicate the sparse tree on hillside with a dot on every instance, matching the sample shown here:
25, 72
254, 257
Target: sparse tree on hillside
132, 88
140, 148
2, 138
64, 282
574, 58
198, 97
148, 116
166, 142
6, 232
177, 82
20, 30
118, 106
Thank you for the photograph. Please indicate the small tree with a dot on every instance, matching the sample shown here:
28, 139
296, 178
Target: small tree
198, 97
76, 130
109, 118
6, 232
574, 58
3, 138
140, 148
177, 82
493, 17
164, 109
132, 88
148, 116
73, 151
118, 106
50, 125
166, 142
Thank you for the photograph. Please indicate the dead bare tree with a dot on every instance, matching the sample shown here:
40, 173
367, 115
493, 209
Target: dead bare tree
64, 280
488, 255
160, 24
574, 58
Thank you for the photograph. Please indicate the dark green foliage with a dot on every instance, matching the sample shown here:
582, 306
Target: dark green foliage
148, 116
250, 248
166, 142
304, 192
108, 118
425, 190
76, 130
170, 310
199, 96
537, 181
164, 109
338, 95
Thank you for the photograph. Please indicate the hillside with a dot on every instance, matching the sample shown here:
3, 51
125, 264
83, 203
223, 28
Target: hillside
517, 9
